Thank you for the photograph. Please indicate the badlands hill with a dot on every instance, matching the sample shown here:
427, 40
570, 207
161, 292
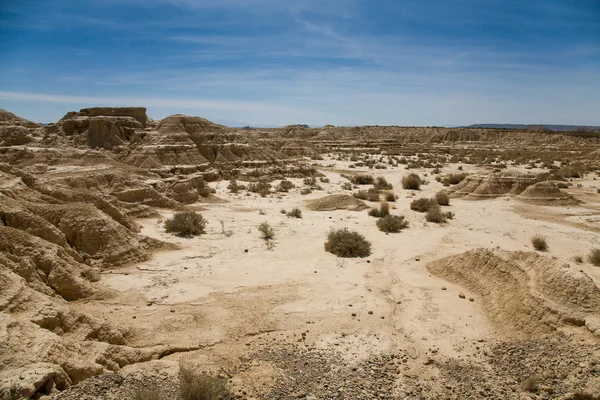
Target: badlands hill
97, 299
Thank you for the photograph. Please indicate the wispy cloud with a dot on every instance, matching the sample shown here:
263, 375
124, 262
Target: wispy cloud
142, 101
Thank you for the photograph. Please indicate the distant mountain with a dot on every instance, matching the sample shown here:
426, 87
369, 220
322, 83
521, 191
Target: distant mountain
538, 127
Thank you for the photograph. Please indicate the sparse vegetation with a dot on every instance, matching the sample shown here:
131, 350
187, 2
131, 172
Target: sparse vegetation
261, 187
594, 257
422, 204
285, 186
435, 215
442, 198
539, 242
392, 223
295, 213
347, 186
186, 223
305, 191
347, 244
390, 197
267, 231
453, 179
382, 184
198, 386
578, 259
382, 211
310, 181
234, 186
360, 179
411, 182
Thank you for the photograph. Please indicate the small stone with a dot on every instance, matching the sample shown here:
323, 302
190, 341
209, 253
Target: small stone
354, 314
471, 299
462, 295
245, 250
368, 261
134, 317
418, 259
443, 287
370, 312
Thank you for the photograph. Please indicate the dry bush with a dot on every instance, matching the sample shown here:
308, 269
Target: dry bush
263, 188
578, 258
422, 204
392, 223
186, 223
305, 191
442, 198
435, 215
234, 186
347, 244
539, 242
390, 197
347, 186
382, 184
370, 195
324, 179
362, 179
267, 231
453, 179
310, 181
295, 213
594, 257
382, 211
411, 182
197, 386
285, 186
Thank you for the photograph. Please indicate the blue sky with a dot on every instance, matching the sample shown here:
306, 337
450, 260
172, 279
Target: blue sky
278, 62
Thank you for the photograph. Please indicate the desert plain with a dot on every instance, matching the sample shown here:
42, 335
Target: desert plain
99, 301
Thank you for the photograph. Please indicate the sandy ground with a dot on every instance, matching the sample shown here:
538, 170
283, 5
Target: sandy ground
221, 293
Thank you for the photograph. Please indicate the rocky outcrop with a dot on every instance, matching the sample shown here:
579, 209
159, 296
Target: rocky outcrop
524, 293
481, 187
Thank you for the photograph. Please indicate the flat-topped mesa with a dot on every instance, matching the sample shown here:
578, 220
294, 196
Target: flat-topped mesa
179, 123
104, 127
137, 113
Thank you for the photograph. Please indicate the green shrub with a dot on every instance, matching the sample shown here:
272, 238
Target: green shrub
267, 231
422, 204
295, 213
392, 223
197, 386
347, 244
411, 182
539, 242
442, 198
435, 215
186, 223
594, 257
